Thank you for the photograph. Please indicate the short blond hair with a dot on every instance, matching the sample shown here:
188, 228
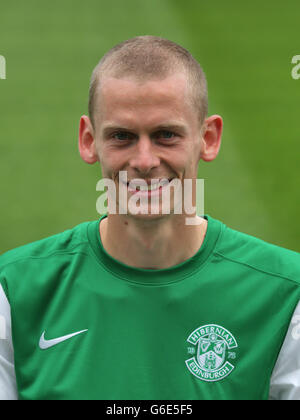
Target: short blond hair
146, 58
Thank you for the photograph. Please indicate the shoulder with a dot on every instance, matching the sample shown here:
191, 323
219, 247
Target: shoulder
64, 242
257, 254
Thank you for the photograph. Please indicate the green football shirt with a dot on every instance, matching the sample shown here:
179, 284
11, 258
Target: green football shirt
77, 324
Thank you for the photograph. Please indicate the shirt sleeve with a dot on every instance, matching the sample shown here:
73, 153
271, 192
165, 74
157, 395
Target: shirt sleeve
285, 380
8, 387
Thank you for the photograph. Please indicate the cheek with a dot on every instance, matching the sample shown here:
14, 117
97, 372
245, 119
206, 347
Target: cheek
112, 162
191, 168
186, 160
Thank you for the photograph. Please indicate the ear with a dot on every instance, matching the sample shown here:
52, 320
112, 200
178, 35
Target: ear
86, 143
211, 138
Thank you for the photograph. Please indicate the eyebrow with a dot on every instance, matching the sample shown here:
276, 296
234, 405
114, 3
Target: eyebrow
172, 127
108, 128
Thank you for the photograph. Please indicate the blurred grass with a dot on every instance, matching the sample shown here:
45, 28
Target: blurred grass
245, 49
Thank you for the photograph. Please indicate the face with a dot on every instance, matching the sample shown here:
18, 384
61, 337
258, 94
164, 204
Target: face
150, 130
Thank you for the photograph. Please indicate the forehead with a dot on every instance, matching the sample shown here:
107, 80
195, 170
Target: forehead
131, 99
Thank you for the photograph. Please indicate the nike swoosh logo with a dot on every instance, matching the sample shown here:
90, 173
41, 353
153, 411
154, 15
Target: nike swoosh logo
46, 344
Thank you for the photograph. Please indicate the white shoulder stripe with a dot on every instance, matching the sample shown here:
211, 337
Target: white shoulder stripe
2, 327
8, 387
285, 380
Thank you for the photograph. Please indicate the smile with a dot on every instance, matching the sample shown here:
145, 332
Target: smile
147, 187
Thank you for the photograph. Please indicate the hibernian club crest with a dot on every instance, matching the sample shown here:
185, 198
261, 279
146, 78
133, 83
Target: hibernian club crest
213, 347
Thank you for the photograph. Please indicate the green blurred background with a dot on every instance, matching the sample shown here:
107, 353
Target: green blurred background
246, 50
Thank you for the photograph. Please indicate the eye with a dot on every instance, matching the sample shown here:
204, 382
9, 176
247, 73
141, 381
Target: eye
165, 134
122, 135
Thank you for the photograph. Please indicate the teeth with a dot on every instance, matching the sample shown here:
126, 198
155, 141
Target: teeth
152, 187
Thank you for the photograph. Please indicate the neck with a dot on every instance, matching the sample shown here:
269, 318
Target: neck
151, 244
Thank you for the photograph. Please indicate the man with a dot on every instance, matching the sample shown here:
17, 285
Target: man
143, 305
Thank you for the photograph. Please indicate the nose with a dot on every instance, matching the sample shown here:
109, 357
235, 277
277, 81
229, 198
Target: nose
144, 157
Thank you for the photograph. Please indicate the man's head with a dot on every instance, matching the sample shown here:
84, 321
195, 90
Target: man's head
149, 58
148, 109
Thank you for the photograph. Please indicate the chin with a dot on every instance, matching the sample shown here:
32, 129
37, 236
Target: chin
149, 217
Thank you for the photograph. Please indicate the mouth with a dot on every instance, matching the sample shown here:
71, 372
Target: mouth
149, 187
